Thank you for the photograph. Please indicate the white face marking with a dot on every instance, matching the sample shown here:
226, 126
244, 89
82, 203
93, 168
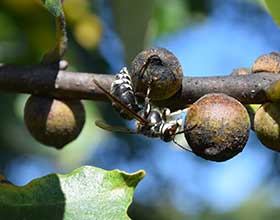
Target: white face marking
166, 126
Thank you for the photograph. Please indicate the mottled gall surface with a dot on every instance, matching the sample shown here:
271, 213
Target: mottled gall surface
267, 63
167, 76
54, 122
221, 127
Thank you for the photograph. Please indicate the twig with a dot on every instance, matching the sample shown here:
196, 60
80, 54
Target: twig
47, 80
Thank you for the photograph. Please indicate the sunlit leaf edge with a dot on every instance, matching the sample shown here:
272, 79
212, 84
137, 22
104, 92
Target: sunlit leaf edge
54, 6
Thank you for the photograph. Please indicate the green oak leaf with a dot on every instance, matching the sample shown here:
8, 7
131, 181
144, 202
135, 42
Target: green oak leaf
274, 9
54, 6
87, 193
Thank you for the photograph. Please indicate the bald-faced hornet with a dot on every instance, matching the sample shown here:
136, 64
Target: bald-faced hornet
123, 89
151, 122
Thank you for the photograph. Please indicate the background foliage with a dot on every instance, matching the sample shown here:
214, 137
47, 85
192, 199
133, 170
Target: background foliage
209, 38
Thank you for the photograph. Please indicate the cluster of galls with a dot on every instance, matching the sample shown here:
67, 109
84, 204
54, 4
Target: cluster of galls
265, 119
217, 126
224, 123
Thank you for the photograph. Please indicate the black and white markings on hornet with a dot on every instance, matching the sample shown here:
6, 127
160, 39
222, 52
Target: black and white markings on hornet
150, 121
123, 89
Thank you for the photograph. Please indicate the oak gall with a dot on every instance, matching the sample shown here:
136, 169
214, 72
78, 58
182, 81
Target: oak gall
221, 127
54, 122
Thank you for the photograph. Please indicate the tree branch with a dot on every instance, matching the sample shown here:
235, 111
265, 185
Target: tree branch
49, 81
